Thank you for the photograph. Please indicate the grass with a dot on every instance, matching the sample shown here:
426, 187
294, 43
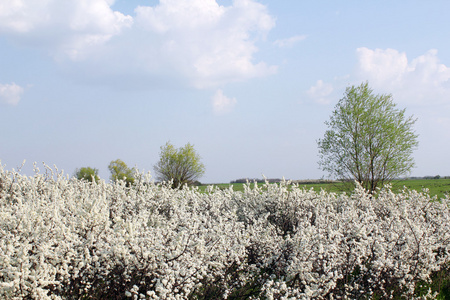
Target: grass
436, 187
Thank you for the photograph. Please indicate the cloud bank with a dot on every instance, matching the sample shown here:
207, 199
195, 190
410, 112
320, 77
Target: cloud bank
68, 28
422, 80
197, 42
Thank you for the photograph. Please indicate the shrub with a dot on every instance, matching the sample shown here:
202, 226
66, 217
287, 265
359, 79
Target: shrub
87, 173
67, 239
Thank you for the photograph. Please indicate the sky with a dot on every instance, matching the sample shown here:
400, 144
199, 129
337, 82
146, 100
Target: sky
249, 83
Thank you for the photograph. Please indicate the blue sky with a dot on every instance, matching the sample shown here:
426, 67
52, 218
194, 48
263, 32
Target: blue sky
249, 83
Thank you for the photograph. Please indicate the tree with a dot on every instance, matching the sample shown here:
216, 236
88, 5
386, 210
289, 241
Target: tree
120, 171
368, 139
87, 173
179, 165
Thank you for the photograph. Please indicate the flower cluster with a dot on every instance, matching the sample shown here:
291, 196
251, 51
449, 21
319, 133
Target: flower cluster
63, 238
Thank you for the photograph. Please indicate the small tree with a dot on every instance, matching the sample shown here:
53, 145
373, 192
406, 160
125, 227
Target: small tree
87, 173
368, 139
120, 171
180, 165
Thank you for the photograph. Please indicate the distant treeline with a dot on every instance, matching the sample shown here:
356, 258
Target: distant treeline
429, 177
276, 180
245, 180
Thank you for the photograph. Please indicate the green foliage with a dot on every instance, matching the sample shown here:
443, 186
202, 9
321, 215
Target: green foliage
87, 173
368, 139
181, 165
440, 283
120, 171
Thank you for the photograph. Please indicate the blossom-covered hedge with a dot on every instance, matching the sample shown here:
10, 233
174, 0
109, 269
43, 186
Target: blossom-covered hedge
62, 238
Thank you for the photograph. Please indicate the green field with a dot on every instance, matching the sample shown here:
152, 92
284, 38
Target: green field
436, 187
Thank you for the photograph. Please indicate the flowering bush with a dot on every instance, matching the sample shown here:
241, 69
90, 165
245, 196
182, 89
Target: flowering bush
63, 238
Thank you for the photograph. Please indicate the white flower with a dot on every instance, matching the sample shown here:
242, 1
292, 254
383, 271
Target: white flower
63, 234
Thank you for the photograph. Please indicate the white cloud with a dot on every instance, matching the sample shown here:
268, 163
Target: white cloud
208, 43
386, 66
196, 42
63, 27
289, 42
222, 104
320, 92
423, 80
10, 93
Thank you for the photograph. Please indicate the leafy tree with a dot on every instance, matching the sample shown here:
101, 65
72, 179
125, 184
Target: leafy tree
368, 139
180, 165
87, 173
120, 171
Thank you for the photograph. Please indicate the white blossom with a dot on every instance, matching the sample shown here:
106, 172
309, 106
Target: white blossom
64, 238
